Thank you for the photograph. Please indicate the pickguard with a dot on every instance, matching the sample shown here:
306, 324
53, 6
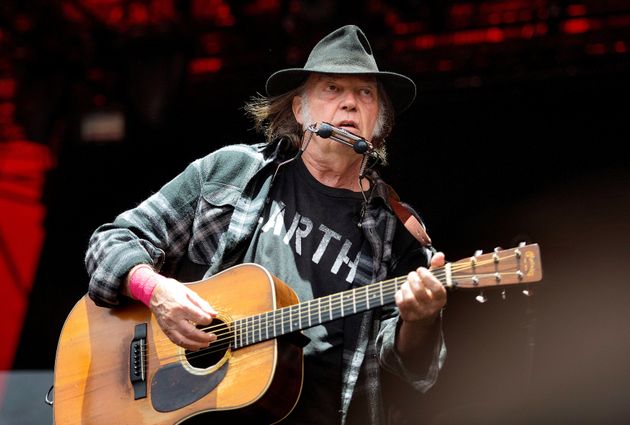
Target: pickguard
174, 387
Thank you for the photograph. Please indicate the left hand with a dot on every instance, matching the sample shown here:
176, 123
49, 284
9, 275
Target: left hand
422, 296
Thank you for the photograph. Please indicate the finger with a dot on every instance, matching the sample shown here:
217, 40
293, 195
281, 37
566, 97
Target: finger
429, 280
410, 308
418, 289
195, 313
194, 339
178, 339
438, 260
186, 342
193, 333
408, 296
204, 305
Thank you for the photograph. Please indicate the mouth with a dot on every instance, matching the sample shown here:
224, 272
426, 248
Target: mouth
348, 125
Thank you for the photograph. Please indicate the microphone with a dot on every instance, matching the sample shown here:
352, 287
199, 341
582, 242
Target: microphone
326, 130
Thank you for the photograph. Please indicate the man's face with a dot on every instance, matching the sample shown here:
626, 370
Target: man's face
349, 102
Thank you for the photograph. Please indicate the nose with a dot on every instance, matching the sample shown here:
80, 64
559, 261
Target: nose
349, 101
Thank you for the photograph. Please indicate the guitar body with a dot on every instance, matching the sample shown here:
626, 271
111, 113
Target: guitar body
94, 362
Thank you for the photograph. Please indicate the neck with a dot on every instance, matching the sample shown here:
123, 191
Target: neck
334, 167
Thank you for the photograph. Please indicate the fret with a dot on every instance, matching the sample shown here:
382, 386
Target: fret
299, 316
267, 325
296, 324
259, 317
240, 332
373, 294
389, 296
250, 330
286, 318
380, 287
354, 300
274, 324
319, 310
290, 318
238, 327
341, 312
244, 332
330, 312
280, 330
367, 297
309, 314
282, 321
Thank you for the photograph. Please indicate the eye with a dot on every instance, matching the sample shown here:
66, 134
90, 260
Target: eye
367, 93
330, 87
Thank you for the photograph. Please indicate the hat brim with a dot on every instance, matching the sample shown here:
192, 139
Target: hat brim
400, 89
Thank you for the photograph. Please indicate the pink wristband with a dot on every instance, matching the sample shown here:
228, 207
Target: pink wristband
142, 282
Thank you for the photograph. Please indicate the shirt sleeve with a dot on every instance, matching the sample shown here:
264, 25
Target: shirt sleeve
407, 255
423, 378
156, 230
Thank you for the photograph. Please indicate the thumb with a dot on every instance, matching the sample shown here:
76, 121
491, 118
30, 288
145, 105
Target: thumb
437, 260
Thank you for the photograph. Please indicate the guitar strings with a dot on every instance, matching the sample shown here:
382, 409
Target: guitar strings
253, 330
335, 303
439, 273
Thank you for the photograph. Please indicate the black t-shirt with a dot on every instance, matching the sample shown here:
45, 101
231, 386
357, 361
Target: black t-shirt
309, 238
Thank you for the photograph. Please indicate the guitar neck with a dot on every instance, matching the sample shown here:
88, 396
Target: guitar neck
253, 329
498, 269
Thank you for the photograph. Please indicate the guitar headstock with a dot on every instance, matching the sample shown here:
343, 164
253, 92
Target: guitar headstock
500, 268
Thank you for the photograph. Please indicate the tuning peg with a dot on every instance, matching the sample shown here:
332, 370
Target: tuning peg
495, 256
528, 292
522, 244
481, 298
473, 259
503, 294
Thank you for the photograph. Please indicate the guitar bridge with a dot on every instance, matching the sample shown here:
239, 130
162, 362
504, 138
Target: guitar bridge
138, 361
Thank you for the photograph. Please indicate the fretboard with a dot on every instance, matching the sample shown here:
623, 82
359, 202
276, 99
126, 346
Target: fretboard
272, 324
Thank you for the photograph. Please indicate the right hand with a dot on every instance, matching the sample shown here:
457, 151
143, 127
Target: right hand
178, 309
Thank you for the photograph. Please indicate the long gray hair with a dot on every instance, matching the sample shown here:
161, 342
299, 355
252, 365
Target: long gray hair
273, 117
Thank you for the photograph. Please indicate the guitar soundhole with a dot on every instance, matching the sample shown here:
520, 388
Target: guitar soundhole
208, 357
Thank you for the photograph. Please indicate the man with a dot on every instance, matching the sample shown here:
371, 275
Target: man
311, 211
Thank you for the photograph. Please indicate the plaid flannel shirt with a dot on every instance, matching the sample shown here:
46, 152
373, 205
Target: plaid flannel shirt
199, 223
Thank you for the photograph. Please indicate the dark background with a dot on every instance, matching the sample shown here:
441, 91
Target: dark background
517, 134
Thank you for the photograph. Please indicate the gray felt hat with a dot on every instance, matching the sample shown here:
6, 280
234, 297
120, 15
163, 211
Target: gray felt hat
344, 51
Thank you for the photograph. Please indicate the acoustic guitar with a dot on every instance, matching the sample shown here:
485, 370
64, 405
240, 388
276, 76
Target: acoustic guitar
116, 366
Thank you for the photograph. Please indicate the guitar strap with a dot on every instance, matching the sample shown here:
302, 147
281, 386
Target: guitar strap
409, 220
